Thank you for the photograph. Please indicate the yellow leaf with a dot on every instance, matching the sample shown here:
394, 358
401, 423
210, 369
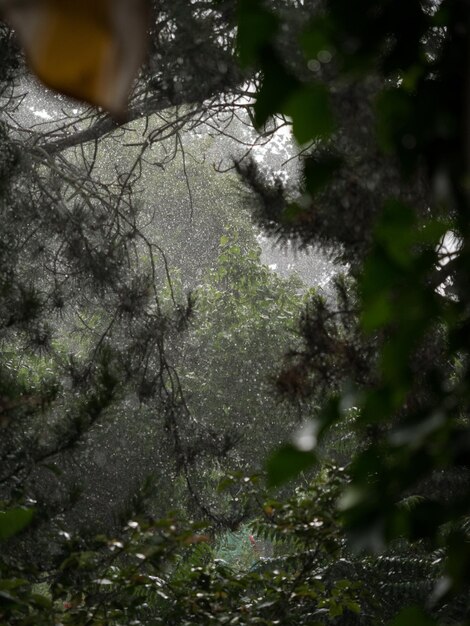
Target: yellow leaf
87, 49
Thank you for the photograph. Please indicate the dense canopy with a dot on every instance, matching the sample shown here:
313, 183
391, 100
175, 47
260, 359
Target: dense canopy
187, 437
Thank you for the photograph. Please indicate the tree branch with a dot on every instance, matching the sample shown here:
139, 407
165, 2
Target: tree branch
105, 125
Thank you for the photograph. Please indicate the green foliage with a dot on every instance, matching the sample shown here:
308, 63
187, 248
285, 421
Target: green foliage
14, 521
280, 90
288, 462
311, 114
235, 550
384, 365
244, 316
256, 27
171, 571
412, 615
411, 403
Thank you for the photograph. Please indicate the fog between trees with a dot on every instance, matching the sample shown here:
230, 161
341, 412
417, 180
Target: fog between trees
192, 431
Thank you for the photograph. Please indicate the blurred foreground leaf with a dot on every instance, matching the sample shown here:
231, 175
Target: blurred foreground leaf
13, 521
312, 117
87, 49
287, 463
412, 615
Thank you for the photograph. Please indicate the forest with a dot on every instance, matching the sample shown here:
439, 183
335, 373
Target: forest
235, 312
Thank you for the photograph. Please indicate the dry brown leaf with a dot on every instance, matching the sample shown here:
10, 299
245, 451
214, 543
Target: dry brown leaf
87, 49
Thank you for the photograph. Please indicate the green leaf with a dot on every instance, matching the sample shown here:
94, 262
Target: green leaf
13, 521
277, 87
379, 276
377, 313
316, 38
432, 231
353, 606
12, 583
4, 595
380, 403
256, 29
287, 463
394, 360
412, 616
395, 118
311, 113
396, 232
41, 601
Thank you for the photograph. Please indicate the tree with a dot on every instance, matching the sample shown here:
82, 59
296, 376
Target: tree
72, 211
399, 208
384, 347
90, 310
243, 323
90, 307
